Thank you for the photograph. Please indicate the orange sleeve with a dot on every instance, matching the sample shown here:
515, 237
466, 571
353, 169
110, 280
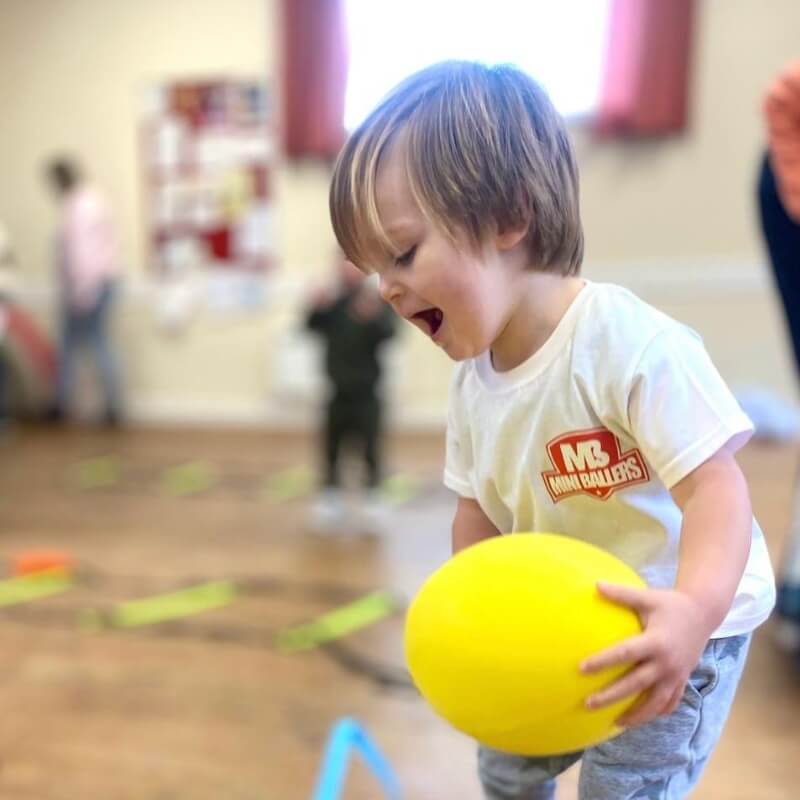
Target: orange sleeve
782, 112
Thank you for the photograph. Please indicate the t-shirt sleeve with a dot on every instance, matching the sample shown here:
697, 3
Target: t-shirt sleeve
458, 454
318, 319
680, 410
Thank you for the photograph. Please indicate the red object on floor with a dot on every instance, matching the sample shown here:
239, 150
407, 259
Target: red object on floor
38, 562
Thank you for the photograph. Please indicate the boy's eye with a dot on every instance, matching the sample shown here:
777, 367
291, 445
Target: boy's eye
406, 258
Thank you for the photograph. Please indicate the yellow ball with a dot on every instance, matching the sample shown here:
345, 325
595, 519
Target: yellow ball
495, 637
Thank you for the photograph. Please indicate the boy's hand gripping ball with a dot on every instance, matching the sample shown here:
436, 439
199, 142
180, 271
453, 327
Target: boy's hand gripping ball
495, 637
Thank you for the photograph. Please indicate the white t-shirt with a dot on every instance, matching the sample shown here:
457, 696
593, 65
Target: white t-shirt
588, 435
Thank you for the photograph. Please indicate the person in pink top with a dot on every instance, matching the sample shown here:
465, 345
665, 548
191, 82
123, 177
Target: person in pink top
87, 265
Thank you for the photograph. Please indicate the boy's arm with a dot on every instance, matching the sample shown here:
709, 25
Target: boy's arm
318, 315
317, 320
715, 535
470, 524
715, 543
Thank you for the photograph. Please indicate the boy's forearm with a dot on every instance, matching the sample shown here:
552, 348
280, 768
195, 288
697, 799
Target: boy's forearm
715, 540
470, 525
463, 538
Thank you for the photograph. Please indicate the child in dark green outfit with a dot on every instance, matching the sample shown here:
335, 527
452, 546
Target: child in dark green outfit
353, 323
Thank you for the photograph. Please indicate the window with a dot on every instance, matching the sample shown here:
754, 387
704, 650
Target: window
561, 43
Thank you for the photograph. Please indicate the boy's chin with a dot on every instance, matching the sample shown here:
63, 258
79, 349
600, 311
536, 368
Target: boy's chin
459, 354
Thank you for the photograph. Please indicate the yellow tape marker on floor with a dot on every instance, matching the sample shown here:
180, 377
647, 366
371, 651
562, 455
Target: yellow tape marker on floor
161, 608
96, 473
289, 484
400, 488
192, 478
14, 591
338, 623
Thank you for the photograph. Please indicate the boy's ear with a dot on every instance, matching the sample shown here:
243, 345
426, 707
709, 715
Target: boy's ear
510, 237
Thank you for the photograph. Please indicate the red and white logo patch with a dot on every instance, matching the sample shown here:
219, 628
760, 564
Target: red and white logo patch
591, 462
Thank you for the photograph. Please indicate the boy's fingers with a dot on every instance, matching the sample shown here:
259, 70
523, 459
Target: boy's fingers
629, 651
633, 683
652, 705
637, 599
675, 700
655, 704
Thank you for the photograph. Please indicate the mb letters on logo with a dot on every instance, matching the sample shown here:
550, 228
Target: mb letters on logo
591, 462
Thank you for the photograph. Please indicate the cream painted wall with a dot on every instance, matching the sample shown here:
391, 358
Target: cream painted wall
692, 197
72, 74
672, 220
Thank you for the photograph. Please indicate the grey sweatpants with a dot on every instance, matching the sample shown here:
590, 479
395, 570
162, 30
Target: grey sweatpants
662, 760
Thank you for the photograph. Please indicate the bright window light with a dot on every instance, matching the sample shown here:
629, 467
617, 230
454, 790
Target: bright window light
561, 43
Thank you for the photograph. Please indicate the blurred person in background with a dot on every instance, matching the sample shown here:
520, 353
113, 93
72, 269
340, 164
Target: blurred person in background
87, 265
7, 262
779, 206
354, 323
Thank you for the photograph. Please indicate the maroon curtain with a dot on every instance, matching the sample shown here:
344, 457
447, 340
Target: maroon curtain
644, 91
314, 77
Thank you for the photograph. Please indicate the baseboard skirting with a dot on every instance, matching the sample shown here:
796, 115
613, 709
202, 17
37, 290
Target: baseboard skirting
187, 412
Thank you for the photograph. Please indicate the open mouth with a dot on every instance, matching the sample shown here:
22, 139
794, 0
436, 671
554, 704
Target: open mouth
432, 317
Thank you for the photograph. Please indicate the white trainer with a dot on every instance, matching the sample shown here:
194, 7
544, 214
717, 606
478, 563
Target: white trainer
329, 512
374, 513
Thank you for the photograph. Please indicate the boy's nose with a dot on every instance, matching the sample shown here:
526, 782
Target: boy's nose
389, 290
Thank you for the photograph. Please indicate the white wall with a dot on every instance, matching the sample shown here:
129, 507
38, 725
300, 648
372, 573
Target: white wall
673, 220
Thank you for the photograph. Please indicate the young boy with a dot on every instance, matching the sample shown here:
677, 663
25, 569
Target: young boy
575, 407
354, 323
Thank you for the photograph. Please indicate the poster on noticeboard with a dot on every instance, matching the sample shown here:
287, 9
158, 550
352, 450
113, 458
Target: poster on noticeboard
209, 148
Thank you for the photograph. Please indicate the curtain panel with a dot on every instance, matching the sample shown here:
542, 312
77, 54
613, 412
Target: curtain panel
314, 78
645, 86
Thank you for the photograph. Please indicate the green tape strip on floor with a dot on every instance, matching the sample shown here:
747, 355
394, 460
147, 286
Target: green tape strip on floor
399, 489
338, 623
96, 473
192, 478
289, 484
152, 610
15, 591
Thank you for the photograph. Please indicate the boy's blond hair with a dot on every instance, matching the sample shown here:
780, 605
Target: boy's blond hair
485, 151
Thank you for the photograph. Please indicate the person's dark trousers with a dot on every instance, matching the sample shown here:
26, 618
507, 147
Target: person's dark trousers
353, 418
782, 236
89, 328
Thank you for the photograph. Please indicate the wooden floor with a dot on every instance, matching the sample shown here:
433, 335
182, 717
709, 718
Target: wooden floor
206, 708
